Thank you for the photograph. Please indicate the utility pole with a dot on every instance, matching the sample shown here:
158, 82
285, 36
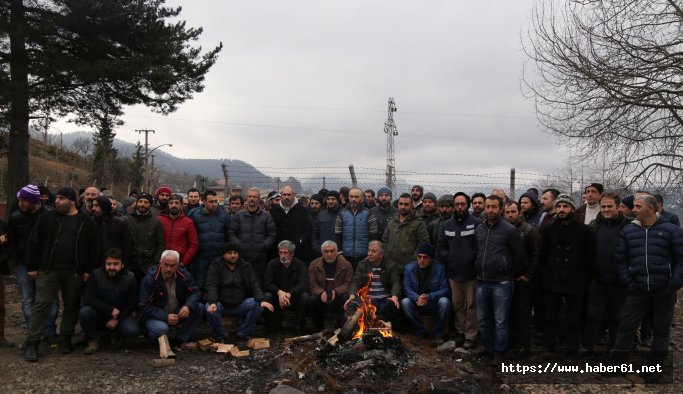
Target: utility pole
146, 131
354, 180
227, 191
512, 184
390, 129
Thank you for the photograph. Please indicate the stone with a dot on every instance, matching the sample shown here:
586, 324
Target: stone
446, 347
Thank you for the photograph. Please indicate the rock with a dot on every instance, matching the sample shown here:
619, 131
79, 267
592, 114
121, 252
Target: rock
504, 388
446, 347
321, 388
363, 364
284, 389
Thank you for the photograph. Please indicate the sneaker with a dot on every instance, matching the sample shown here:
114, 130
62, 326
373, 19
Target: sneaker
91, 348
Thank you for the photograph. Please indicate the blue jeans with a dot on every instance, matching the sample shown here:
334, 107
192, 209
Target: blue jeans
92, 323
249, 309
186, 327
27, 294
493, 312
441, 309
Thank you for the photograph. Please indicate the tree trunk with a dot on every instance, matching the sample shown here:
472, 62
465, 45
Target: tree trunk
18, 156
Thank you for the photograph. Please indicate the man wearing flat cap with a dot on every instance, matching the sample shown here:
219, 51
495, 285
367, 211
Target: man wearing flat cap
233, 290
62, 250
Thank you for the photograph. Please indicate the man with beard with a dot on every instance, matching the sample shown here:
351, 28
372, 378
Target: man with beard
193, 200
531, 209
61, 252
416, 193
478, 200
369, 199
548, 206
500, 260
18, 229
445, 207
180, 233
253, 230
147, 234
457, 247
111, 296
383, 211
522, 296
232, 290
162, 197
323, 227
292, 223
314, 207
88, 196
273, 200
404, 232
112, 232
567, 259
213, 227
287, 280
355, 228
429, 212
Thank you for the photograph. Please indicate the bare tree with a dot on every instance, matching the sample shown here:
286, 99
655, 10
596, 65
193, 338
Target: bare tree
607, 77
81, 146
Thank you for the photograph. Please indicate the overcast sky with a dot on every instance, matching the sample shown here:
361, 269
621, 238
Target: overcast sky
306, 84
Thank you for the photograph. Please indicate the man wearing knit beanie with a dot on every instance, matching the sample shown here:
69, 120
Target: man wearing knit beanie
383, 210
429, 212
29, 193
113, 233
73, 234
162, 195
567, 260
626, 206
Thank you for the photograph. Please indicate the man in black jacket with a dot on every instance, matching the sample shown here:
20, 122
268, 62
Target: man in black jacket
62, 251
567, 260
112, 232
287, 279
292, 223
233, 290
111, 296
147, 235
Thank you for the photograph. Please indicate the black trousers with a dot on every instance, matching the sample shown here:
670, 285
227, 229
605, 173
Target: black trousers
574, 306
605, 302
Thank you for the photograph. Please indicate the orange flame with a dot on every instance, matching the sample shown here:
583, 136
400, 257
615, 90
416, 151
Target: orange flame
368, 318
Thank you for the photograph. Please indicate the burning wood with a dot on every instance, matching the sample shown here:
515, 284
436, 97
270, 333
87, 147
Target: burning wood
364, 317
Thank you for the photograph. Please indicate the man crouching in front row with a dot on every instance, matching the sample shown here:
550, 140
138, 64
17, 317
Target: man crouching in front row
169, 298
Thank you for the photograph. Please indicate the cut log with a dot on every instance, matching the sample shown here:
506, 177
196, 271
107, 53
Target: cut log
223, 348
192, 346
351, 325
265, 344
237, 353
163, 362
304, 338
165, 350
205, 344
335, 338
252, 342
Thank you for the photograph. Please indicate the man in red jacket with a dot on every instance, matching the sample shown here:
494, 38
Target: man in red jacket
180, 233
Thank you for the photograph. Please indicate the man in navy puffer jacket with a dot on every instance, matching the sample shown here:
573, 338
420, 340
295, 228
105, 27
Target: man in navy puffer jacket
650, 263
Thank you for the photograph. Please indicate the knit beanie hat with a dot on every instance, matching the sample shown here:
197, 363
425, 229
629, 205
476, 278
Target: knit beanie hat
68, 192
335, 194
628, 201
429, 196
146, 196
105, 205
595, 185
273, 195
318, 198
29, 193
446, 200
231, 247
565, 198
426, 248
384, 190
164, 189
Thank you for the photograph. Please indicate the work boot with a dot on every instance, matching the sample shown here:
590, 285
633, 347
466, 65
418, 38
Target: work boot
92, 347
65, 345
31, 352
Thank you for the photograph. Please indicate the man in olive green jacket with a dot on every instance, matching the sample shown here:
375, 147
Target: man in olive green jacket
404, 232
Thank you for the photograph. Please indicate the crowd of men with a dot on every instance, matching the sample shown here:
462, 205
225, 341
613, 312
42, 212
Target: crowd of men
501, 272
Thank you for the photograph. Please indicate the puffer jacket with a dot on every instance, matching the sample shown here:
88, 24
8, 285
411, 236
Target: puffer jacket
212, 231
323, 228
651, 258
457, 247
180, 235
500, 252
254, 233
401, 239
355, 231
154, 298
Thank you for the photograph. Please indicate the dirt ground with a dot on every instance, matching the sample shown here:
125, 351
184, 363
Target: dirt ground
130, 370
